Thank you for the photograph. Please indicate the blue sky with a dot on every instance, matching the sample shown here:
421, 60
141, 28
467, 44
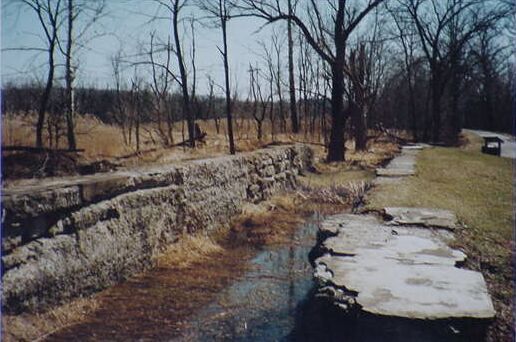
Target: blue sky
127, 26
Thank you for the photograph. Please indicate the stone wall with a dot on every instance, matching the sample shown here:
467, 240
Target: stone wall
74, 236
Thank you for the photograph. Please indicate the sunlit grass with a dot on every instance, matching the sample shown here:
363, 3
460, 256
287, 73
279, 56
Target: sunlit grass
476, 186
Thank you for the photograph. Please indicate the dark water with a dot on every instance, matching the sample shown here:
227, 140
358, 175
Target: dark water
271, 300
263, 305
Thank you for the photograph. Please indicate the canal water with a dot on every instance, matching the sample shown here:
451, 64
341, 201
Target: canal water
245, 295
263, 305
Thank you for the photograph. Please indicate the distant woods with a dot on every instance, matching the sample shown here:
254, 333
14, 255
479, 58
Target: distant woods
333, 70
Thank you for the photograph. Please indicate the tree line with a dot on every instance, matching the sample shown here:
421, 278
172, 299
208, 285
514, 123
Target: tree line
428, 66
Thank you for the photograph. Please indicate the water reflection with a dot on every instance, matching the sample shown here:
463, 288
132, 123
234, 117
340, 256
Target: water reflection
261, 306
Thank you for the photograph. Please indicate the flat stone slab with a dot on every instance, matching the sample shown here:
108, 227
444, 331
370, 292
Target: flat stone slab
422, 216
398, 271
403, 165
395, 172
412, 147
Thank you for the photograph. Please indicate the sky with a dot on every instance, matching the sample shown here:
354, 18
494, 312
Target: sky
126, 25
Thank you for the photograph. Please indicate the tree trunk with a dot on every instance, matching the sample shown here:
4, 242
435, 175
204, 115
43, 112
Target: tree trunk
455, 118
427, 118
184, 80
137, 132
259, 128
292, 86
46, 94
436, 109
336, 148
412, 107
223, 20
70, 96
358, 115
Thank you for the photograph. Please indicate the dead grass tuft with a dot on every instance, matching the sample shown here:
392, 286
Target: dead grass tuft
31, 327
268, 223
187, 250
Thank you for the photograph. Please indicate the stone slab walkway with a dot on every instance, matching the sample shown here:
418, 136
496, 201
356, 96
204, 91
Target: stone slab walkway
426, 217
398, 271
401, 166
399, 265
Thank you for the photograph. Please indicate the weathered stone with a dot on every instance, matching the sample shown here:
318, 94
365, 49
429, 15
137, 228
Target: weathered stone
402, 165
410, 291
104, 229
26, 202
412, 147
395, 172
422, 216
105, 187
399, 271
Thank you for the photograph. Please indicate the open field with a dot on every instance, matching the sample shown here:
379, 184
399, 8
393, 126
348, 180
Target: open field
103, 141
478, 188
105, 148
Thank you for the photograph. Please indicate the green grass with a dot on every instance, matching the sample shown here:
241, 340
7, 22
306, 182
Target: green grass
478, 188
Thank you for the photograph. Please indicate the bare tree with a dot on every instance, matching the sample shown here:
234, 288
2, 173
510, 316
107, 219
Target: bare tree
49, 15
121, 108
160, 88
210, 104
270, 77
291, 81
276, 44
488, 62
328, 42
444, 28
256, 95
221, 10
75, 9
365, 72
175, 7
137, 106
407, 39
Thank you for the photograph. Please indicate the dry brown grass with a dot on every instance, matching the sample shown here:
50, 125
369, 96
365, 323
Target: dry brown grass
31, 327
98, 139
359, 166
101, 141
189, 249
270, 222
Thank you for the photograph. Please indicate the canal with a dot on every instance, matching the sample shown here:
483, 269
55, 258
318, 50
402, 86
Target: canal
246, 293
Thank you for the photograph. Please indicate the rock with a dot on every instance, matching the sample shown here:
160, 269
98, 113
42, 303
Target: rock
398, 271
106, 187
412, 147
76, 235
402, 165
410, 291
422, 216
395, 172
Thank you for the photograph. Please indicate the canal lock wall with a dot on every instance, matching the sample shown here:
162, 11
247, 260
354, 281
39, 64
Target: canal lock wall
74, 236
